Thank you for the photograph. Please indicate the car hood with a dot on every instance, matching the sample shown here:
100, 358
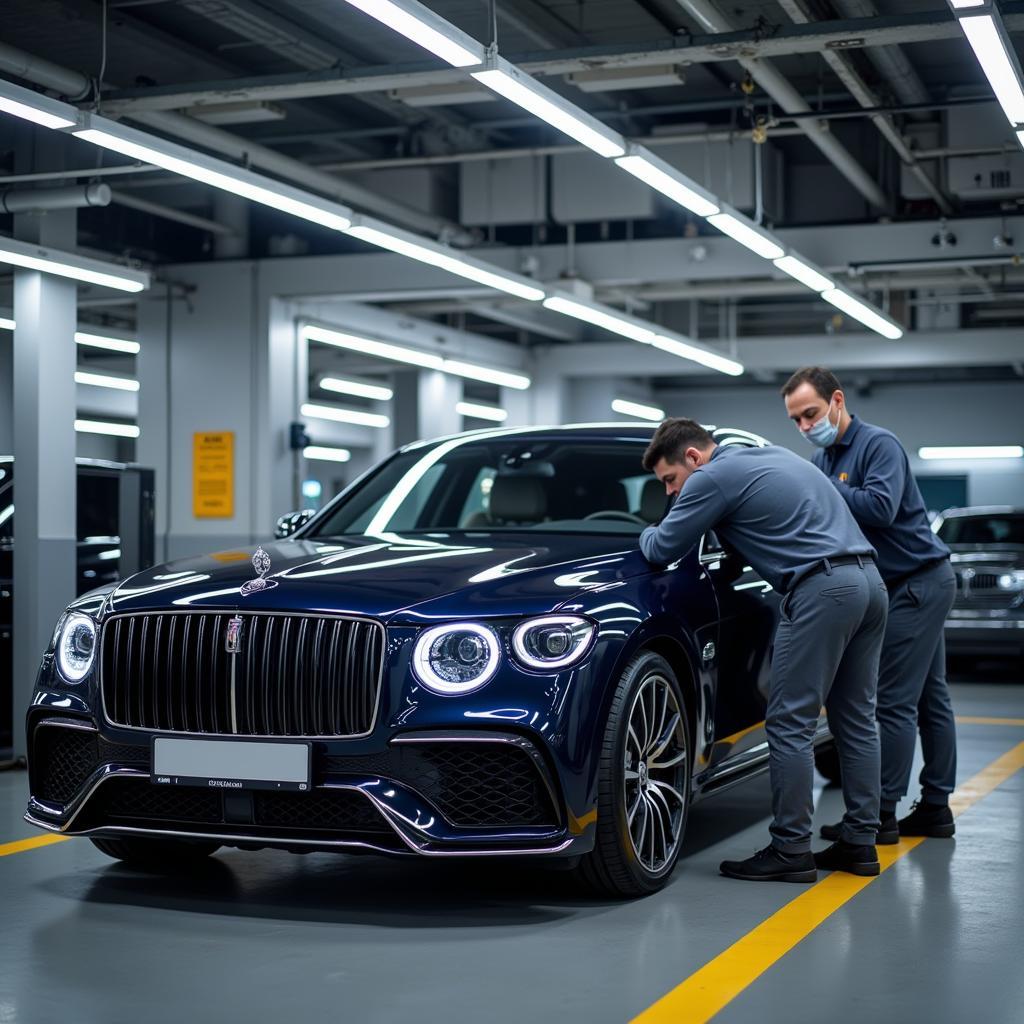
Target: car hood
390, 576
1007, 556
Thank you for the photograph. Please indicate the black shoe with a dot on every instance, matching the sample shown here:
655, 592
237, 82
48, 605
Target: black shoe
841, 856
888, 833
934, 820
771, 865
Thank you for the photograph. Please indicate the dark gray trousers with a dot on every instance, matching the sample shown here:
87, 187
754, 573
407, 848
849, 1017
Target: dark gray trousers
912, 692
826, 653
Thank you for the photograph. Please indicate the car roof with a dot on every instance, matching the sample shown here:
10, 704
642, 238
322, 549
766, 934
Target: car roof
639, 432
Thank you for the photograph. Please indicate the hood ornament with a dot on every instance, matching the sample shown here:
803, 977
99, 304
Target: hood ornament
261, 563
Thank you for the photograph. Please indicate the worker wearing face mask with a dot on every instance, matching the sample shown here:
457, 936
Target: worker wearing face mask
870, 469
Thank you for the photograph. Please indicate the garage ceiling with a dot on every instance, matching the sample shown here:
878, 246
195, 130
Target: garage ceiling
442, 159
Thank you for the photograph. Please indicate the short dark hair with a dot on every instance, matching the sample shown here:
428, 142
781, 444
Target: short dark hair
672, 438
825, 382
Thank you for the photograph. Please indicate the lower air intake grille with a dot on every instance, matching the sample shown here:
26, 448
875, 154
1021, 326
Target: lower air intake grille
471, 784
134, 800
62, 760
342, 811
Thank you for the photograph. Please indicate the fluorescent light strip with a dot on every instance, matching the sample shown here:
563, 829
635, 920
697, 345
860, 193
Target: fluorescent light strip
370, 347
315, 451
698, 355
959, 5
89, 340
638, 410
31, 257
993, 451
240, 184
356, 388
428, 360
987, 42
101, 380
503, 378
481, 412
406, 246
868, 316
746, 235
806, 275
405, 22
526, 93
600, 318
110, 429
354, 416
34, 113
111, 344
666, 183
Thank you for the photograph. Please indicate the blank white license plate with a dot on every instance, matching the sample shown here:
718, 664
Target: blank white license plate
230, 764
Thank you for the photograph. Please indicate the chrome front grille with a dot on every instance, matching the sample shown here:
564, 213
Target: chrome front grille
292, 675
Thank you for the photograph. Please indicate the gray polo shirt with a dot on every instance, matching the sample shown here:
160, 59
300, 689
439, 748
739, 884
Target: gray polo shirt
778, 512
871, 471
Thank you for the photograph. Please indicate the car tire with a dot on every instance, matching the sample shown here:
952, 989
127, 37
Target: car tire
624, 862
826, 760
159, 854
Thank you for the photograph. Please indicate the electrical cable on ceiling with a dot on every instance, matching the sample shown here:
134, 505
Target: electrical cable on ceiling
103, 59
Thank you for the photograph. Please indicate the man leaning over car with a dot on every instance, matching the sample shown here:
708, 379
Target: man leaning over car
871, 471
783, 518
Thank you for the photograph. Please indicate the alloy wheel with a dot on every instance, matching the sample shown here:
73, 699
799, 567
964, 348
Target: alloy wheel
655, 776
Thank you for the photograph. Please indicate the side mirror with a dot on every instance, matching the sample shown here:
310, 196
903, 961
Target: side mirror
292, 522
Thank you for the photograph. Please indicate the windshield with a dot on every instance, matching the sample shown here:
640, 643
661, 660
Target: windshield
997, 528
504, 484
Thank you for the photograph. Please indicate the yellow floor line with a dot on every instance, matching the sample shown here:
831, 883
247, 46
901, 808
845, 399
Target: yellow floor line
719, 981
6, 849
983, 720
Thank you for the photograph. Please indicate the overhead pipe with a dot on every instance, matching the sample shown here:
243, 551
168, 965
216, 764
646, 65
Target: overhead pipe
841, 64
776, 85
891, 62
71, 197
470, 156
74, 84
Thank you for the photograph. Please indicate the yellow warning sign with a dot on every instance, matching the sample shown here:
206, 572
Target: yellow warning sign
213, 475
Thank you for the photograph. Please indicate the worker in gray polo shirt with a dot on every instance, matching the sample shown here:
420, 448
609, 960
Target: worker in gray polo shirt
870, 470
785, 520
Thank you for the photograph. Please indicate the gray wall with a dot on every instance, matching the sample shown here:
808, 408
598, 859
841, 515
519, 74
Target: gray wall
919, 414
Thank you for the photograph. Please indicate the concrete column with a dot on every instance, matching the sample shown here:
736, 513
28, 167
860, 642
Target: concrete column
44, 450
6, 391
424, 405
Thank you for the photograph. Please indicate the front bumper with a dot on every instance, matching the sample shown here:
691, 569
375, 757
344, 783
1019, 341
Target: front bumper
430, 793
985, 633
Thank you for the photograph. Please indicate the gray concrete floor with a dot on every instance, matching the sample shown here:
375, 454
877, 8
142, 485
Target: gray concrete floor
271, 936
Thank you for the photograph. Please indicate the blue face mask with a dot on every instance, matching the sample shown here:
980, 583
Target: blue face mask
823, 434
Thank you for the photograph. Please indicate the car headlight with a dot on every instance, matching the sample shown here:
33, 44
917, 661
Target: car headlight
76, 646
552, 641
457, 658
1012, 580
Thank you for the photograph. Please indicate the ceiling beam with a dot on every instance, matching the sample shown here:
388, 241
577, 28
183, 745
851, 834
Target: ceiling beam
816, 37
843, 351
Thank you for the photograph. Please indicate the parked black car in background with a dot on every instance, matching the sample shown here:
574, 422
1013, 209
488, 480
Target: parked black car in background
115, 532
987, 542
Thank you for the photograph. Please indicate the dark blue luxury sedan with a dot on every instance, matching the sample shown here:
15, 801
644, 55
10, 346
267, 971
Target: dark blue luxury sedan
464, 654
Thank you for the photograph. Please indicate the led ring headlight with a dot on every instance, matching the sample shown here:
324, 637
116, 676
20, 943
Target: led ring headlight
76, 646
552, 641
456, 658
